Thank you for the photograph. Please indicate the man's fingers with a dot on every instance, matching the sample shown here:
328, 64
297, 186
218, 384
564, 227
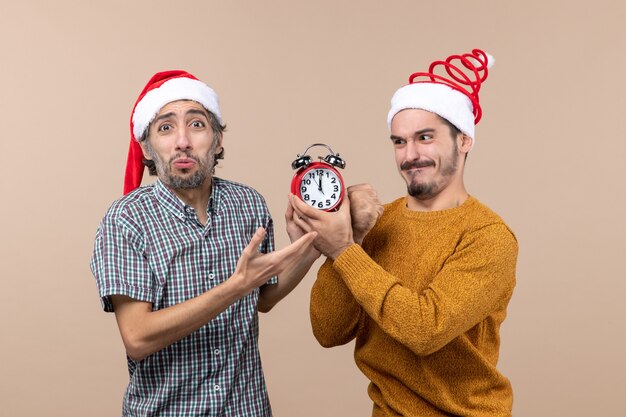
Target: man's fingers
362, 188
289, 211
298, 213
302, 243
359, 187
296, 248
301, 222
365, 194
305, 240
302, 209
257, 238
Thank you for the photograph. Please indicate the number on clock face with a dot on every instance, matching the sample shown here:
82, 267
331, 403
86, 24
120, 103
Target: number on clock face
320, 188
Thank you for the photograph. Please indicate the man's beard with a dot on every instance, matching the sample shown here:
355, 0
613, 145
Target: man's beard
430, 189
205, 169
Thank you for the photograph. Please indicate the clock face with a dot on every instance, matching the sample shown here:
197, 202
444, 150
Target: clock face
321, 188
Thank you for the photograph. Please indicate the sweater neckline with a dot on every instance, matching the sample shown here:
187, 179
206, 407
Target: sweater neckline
430, 215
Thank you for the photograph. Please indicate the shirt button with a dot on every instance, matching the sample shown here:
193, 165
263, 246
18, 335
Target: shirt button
216, 351
216, 387
211, 275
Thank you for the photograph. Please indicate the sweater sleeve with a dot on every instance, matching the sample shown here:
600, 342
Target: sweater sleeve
335, 314
476, 280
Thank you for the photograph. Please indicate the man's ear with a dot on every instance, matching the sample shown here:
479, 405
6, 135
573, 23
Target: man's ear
465, 143
146, 155
219, 149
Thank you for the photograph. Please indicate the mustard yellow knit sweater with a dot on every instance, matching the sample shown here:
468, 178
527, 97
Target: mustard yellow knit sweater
424, 297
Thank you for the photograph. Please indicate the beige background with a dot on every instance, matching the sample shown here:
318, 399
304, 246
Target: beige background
549, 158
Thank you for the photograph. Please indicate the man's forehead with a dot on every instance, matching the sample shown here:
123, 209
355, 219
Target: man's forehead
183, 106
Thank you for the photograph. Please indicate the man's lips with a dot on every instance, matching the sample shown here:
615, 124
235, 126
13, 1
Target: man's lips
184, 163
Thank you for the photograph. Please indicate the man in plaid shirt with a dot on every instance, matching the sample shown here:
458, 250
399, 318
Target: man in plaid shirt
187, 262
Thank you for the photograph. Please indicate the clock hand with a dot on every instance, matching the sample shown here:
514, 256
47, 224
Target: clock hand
320, 184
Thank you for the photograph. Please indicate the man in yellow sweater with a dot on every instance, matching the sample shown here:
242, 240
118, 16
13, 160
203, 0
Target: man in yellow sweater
424, 288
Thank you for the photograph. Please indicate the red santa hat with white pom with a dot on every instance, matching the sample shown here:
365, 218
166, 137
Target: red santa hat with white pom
453, 95
163, 88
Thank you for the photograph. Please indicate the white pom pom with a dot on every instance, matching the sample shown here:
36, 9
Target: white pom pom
490, 60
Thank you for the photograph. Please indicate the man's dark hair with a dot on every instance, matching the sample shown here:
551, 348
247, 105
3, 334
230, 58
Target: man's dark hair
454, 131
217, 128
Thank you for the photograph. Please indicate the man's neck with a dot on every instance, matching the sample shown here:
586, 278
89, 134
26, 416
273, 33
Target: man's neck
446, 199
198, 198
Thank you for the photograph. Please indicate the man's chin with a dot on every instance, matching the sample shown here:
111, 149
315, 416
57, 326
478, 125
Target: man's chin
421, 191
185, 182
183, 172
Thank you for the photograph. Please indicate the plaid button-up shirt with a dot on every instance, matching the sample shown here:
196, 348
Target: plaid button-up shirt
151, 247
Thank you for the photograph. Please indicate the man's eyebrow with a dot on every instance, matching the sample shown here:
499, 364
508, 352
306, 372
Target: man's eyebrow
198, 111
164, 116
190, 111
422, 131
415, 134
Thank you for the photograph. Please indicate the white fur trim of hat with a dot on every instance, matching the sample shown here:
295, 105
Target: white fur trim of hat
181, 88
440, 99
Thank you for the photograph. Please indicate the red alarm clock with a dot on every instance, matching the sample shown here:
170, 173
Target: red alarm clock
319, 184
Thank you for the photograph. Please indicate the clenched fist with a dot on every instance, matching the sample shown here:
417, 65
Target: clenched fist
365, 210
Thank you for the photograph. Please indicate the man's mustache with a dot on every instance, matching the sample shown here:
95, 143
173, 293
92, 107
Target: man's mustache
186, 155
416, 164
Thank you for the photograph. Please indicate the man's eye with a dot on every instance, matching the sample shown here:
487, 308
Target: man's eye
197, 124
426, 137
399, 142
164, 128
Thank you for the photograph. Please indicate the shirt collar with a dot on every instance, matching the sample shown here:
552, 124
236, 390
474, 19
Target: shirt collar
170, 201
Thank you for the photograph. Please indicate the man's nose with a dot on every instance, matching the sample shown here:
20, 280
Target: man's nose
412, 151
182, 139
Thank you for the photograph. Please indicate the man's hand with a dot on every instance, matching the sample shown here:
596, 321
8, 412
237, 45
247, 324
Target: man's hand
255, 268
294, 231
291, 277
334, 230
145, 331
365, 210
